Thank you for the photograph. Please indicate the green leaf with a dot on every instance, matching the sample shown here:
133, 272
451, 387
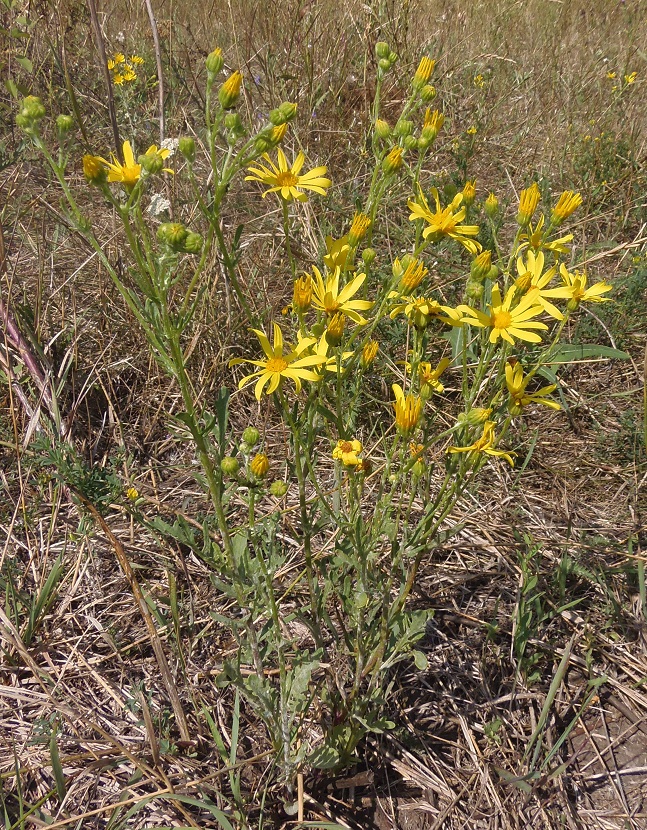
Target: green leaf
25, 63
222, 411
570, 352
326, 757
420, 660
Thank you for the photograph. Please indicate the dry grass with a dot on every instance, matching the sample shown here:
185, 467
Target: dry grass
84, 682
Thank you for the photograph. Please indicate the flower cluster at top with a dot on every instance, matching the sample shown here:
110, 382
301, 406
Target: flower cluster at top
123, 71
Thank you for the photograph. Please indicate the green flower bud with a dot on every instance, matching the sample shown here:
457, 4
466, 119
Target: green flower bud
393, 56
474, 290
493, 273
428, 92
172, 234
233, 122
418, 469
384, 64
251, 436
410, 142
229, 466
151, 164
32, 108
264, 141
491, 206
186, 146
382, 129
403, 127
193, 243
64, 123
480, 267
278, 489
215, 62
382, 50
368, 256
475, 416
288, 111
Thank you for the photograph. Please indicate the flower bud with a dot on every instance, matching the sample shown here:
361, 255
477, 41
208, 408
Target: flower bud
473, 290
428, 93
151, 164
64, 123
232, 122
480, 266
264, 141
335, 330
368, 256
186, 146
193, 243
382, 129
214, 62
32, 108
403, 127
251, 436
469, 193
528, 201
423, 73
432, 125
278, 489
172, 234
393, 162
302, 294
418, 469
260, 465
278, 134
493, 273
384, 64
410, 142
229, 466
475, 416
382, 50
132, 494
93, 170
369, 353
566, 204
229, 92
491, 206
359, 226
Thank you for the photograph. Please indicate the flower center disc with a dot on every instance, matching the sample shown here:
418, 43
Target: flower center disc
276, 364
502, 319
286, 179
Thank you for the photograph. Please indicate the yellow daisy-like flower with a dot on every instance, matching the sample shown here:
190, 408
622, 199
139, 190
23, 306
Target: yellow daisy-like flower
337, 252
485, 444
528, 201
118, 79
445, 222
348, 452
130, 171
116, 59
533, 281
369, 353
567, 203
519, 397
536, 239
631, 78
328, 298
579, 293
287, 181
408, 409
136, 60
420, 311
429, 382
278, 365
507, 321
359, 226
411, 276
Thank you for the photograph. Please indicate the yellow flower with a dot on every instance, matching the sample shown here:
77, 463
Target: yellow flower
528, 201
369, 353
469, 193
420, 311
116, 60
532, 273
347, 452
479, 81
517, 383
230, 90
393, 162
328, 298
93, 169
302, 294
504, 320
260, 465
130, 171
472, 130
485, 444
287, 181
579, 293
491, 205
132, 494
444, 222
423, 72
118, 79
567, 203
337, 252
408, 410
359, 226
536, 239
631, 78
429, 382
278, 133
411, 276
136, 59
279, 365
611, 75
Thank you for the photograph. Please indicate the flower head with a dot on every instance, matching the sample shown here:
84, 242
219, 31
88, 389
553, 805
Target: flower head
516, 383
328, 298
533, 281
302, 294
507, 320
429, 382
411, 276
579, 293
420, 311
230, 90
278, 365
528, 201
485, 444
445, 222
393, 161
408, 409
369, 353
348, 452
259, 465
538, 239
130, 171
288, 181
567, 203
360, 224
336, 252
423, 72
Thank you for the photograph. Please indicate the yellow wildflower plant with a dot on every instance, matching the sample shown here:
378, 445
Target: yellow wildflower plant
507, 320
429, 378
444, 221
408, 409
287, 180
516, 383
130, 171
348, 452
327, 297
486, 445
279, 364
533, 281
578, 292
